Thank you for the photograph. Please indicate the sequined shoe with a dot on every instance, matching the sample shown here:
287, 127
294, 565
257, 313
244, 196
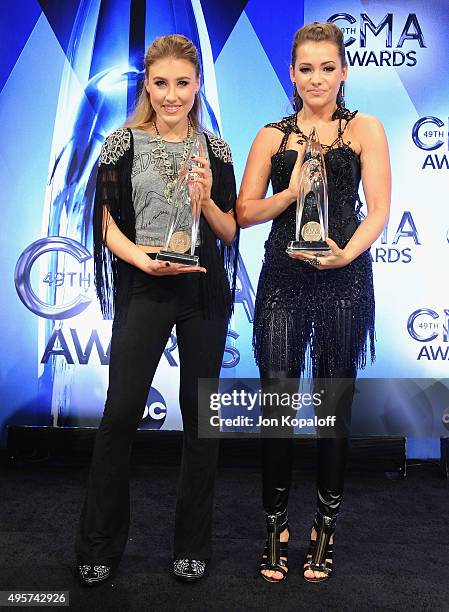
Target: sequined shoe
93, 575
189, 570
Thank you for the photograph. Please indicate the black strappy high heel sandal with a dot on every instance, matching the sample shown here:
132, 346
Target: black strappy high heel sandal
319, 553
275, 552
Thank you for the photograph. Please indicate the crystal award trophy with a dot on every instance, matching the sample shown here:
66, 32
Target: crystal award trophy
311, 204
184, 219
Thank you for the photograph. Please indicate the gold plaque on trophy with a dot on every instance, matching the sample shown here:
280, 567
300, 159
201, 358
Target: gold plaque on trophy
180, 242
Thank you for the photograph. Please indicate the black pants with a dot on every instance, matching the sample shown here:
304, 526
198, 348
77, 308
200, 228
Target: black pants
277, 451
157, 304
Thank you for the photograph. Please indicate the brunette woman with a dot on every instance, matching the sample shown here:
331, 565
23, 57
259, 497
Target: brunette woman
320, 307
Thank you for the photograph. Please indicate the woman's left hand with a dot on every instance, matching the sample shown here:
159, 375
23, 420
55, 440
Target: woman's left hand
203, 178
337, 258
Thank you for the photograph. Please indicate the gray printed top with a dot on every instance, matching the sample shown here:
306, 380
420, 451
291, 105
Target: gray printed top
151, 207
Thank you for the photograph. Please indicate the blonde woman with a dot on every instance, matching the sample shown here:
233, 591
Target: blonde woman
138, 164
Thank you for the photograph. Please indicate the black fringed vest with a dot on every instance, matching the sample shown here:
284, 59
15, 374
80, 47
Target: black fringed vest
113, 276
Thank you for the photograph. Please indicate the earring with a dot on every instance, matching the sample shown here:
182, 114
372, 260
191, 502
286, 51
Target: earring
341, 95
297, 102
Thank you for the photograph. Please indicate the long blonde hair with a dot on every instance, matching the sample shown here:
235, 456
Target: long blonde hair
178, 47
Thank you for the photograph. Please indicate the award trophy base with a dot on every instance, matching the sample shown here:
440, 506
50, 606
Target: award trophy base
181, 258
308, 246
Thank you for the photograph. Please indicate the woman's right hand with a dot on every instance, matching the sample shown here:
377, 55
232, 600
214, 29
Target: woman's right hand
293, 186
165, 268
128, 251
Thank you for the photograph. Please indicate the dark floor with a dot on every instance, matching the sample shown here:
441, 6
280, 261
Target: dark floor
391, 546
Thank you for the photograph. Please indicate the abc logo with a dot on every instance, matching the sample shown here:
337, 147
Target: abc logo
445, 418
155, 411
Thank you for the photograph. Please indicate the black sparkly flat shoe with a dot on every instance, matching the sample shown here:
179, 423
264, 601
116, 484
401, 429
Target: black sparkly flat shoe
189, 570
93, 575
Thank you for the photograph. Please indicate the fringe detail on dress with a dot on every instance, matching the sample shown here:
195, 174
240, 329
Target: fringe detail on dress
315, 321
334, 338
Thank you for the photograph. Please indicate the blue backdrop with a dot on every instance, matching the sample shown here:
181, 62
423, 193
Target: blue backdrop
68, 76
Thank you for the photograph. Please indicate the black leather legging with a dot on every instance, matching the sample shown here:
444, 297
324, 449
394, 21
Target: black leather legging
277, 452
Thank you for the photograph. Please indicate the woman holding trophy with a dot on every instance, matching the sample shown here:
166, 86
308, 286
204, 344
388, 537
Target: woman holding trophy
315, 301
165, 195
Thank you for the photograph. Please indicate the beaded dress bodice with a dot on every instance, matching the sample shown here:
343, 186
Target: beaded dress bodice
343, 178
298, 297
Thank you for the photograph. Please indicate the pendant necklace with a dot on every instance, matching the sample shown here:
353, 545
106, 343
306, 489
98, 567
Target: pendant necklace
167, 170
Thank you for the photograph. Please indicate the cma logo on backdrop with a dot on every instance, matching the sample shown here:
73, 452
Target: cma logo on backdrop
431, 327
393, 249
432, 134
68, 283
398, 37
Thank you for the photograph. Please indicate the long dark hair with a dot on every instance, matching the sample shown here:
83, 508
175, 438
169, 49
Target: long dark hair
318, 32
